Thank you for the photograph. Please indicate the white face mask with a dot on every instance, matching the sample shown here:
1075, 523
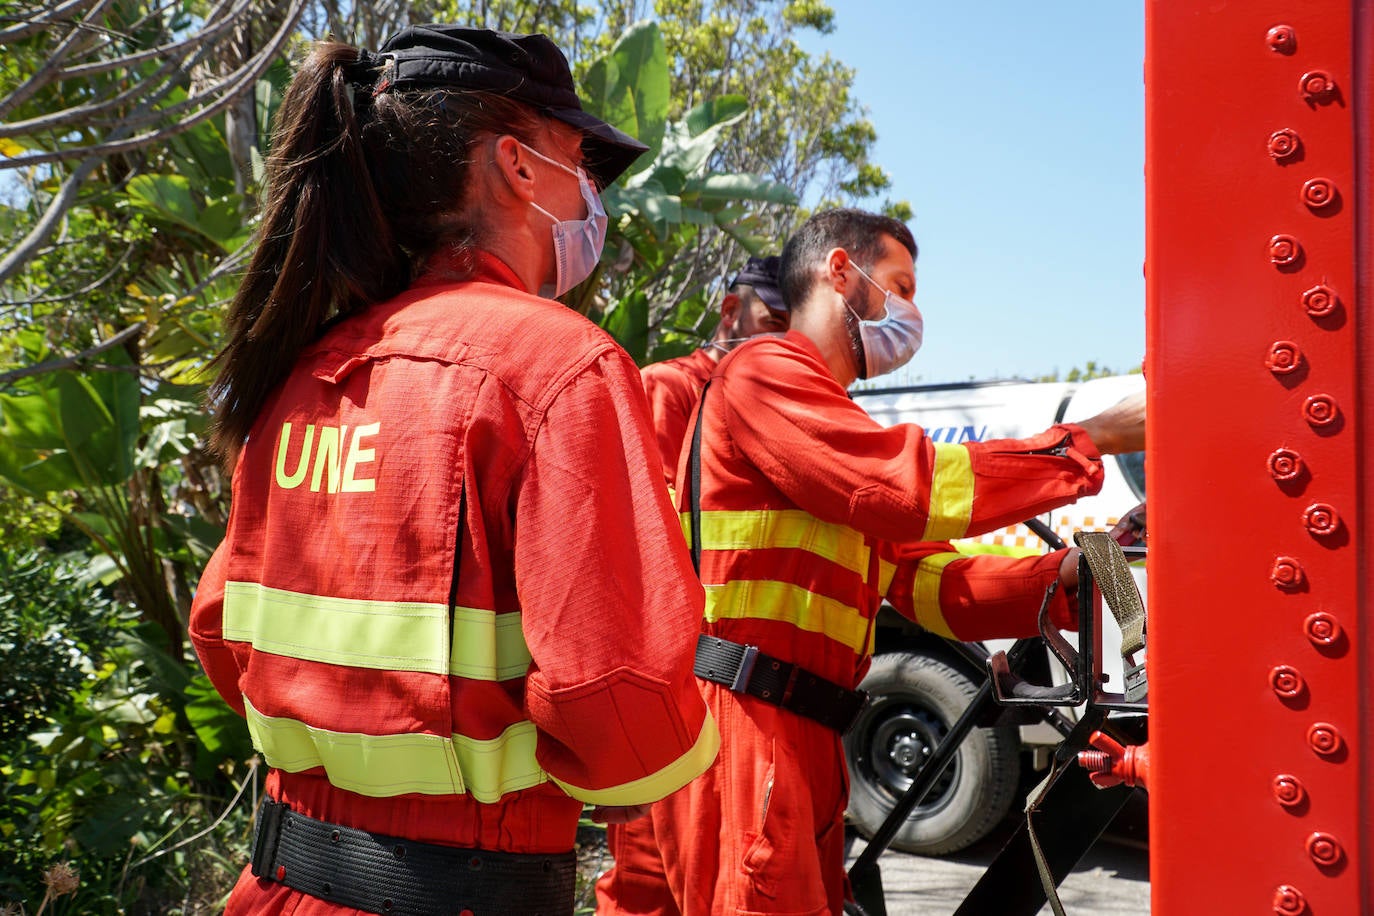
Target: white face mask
577, 243
892, 340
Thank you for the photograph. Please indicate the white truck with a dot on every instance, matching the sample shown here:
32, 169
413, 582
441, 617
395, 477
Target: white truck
918, 686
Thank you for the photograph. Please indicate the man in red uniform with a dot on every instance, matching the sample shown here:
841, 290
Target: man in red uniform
453, 601
806, 515
752, 305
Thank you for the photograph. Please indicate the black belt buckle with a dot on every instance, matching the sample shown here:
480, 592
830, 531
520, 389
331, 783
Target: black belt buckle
740, 682
266, 831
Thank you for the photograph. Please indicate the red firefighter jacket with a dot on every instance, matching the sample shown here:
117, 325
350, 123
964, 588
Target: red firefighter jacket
672, 388
812, 512
453, 600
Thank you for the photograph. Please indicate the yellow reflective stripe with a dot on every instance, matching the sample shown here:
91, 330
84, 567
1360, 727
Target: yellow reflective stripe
925, 593
385, 635
382, 766
488, 646
976, 548
763, 599
656, 785
762, 529
493, 767
951, 493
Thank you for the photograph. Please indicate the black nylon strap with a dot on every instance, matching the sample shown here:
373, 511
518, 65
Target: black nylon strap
393, 876
744, 669
694, 481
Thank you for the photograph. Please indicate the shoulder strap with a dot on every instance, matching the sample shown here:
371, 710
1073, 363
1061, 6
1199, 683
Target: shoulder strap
694, 480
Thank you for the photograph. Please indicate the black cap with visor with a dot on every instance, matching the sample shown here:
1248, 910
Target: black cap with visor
762, 275
527, 68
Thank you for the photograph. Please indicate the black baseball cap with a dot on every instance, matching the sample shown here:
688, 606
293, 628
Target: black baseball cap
762, 275
527, 68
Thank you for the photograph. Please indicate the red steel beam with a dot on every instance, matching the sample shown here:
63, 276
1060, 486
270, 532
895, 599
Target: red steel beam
1258, 285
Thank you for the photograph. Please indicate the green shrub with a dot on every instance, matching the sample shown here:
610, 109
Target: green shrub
99, 765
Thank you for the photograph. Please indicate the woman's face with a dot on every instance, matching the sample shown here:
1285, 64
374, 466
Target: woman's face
557, 189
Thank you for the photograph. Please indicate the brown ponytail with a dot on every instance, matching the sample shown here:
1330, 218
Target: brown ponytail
362, 188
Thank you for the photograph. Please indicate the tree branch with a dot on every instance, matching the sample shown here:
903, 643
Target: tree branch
75, 361
55, 15
52, 66
57, 208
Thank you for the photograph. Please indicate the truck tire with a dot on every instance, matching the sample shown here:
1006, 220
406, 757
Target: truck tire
913, 700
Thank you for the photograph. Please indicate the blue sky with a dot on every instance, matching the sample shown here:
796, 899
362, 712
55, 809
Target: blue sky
1016, 131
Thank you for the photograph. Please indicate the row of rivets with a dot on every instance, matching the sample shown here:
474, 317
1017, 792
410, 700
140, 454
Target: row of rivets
1286, 466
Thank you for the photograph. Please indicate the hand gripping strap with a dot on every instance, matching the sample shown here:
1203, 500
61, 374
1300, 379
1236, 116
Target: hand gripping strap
1113, 576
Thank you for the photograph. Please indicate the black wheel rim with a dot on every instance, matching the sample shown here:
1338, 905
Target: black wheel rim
893, 740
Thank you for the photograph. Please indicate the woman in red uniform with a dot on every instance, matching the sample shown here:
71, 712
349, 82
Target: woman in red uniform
453, 601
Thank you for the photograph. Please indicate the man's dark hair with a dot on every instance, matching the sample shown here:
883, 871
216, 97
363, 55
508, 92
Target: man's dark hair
856, 231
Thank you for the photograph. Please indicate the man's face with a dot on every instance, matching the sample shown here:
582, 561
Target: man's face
755, 317
893, 270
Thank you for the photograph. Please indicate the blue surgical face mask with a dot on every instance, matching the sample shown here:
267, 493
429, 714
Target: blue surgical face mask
889, 342
577, 243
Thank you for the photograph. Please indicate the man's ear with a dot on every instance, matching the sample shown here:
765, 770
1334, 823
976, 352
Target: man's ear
729, 310
515, 166
837, 269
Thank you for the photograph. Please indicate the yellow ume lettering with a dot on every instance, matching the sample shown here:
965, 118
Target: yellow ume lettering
322, 455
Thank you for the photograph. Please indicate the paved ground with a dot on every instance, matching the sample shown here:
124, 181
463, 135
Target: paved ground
1112, 880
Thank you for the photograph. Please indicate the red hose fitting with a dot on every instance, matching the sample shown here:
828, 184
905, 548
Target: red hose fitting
1112, 764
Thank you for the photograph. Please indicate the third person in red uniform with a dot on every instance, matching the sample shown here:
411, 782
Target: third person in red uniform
807, 513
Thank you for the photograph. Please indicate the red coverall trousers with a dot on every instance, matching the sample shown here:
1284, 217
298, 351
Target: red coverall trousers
782, 785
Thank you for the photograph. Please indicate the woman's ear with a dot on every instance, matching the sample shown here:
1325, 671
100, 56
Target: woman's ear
515, 166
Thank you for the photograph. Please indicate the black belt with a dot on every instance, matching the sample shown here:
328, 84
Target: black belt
744, 669
399, 877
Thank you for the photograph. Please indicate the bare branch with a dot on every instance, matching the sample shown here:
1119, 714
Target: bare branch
27, 26
18, 256
202, 43
76, 293
52, 66
75, 361
245, 76
227, 90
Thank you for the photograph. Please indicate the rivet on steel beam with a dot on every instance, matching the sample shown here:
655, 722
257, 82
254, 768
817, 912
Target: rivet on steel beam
1324, 849
1320, 410
1287, 572
1284, 357
1289, 901
1288, 790
1320, 301
1322, 629
1284, 144
1318, 193
1282, 39
1325, 739
1284, 249
1285, 464
1286, 681
1321, 519
1316, 85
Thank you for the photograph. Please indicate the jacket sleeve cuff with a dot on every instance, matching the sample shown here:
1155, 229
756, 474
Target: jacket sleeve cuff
657, 785
622, 737
1081, 441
